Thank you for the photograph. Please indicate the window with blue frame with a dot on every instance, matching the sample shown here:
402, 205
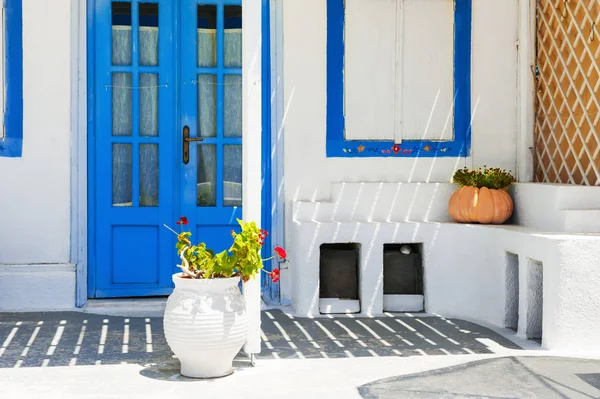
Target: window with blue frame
11, 82
398, 78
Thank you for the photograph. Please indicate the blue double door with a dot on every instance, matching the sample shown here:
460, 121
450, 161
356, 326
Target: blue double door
167, 137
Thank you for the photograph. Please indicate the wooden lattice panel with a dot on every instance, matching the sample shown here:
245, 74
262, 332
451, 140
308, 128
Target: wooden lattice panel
567, 140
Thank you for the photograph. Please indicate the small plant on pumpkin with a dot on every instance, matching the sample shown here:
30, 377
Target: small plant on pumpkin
242, 259
492, 178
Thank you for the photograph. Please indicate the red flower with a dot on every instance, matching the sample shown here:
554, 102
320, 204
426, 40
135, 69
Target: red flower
264, 233
182, 220
274, 275
281, 252
396, 148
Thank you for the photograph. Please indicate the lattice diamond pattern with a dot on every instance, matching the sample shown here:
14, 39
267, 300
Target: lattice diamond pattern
567, 141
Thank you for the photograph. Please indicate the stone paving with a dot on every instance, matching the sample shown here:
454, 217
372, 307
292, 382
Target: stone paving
71, 338
81, 355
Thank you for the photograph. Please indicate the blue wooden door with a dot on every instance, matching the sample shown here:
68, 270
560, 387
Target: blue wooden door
161, 69
211, 108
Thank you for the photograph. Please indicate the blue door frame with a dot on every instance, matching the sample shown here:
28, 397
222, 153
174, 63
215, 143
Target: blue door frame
173, 184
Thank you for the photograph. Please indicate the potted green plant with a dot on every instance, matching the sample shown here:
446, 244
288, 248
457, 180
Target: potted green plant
482, 197
205, 319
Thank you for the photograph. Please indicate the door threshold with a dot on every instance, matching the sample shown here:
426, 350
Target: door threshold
127, 307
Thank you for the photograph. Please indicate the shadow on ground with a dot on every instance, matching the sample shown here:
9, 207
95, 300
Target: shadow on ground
72, 339
506, 377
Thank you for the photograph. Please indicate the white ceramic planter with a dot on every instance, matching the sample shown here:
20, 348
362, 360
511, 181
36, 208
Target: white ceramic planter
206, 325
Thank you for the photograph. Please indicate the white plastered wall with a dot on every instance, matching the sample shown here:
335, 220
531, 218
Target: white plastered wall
35, 268
374, 201
494, 104
309, 173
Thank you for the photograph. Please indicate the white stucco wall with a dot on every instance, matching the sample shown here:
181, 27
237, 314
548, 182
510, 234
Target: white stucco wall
308, 173
35, 189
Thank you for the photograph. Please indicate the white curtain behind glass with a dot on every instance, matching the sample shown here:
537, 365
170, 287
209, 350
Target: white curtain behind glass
149, 91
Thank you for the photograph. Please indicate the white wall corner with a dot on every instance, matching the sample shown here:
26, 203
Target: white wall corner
79, 215
526, 92
278, 139
34, 287
251, 137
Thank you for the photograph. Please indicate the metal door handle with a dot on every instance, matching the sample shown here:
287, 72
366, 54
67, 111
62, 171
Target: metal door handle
186, 143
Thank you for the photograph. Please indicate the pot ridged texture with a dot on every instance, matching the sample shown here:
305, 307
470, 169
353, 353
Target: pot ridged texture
209, 327
480, 205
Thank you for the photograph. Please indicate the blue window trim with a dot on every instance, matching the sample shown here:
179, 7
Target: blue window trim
338, 147
12, 143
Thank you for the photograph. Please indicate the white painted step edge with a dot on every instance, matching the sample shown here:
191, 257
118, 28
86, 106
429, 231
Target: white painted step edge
336, 305
403, 303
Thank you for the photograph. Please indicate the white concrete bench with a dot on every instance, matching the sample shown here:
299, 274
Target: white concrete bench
544, 284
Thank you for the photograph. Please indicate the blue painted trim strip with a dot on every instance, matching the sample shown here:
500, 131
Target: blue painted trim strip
335, 76
135, 103
220, 108
271, 290
338, 147
12, 143
407, 149
91, 145
220, 2
462, 73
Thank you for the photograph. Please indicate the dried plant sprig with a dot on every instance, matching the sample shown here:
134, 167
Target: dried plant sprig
493, 178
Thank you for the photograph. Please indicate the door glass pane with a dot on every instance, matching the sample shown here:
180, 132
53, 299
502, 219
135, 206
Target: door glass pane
207, 36
148, 104
121, 33
121, 174
232, 175
232, 44
121, 104
148, 22
207, 175
207, 105
233, 106
149, 175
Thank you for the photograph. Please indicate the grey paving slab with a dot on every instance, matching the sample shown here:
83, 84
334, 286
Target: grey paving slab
499, 378
72, 338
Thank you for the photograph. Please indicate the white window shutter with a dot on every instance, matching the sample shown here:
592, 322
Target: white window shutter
426, 90
370, 69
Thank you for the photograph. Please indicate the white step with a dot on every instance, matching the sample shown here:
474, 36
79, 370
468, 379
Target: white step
126, 307
305, 211
582, 220
578, 197
383, 202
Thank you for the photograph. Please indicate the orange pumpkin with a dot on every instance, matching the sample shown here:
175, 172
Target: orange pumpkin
480, 205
